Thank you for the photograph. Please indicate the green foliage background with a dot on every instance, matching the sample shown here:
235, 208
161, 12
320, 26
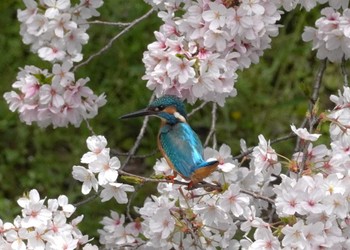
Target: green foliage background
271, 96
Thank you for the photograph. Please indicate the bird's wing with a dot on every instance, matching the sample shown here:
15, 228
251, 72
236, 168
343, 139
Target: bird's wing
182, 147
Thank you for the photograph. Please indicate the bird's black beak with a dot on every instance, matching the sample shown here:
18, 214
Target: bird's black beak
142, 112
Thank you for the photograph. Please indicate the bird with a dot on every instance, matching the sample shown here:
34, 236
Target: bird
177, 141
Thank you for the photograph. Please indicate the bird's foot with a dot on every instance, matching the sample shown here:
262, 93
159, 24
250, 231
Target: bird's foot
191, 185
170, 178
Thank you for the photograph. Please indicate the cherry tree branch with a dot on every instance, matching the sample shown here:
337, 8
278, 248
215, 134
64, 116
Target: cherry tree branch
110, 43
193, 111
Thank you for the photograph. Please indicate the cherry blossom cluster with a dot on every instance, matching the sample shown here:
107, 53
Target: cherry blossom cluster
44, 226
288, 5
197, 54
320, 204
196, 219
56, 29
52, 98
101, 172
331, 37
306, 209
319, 199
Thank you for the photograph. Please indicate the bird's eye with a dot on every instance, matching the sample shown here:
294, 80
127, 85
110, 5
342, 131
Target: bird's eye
158, 108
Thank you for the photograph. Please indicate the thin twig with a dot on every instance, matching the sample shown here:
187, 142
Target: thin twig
89, 127
212, 127
318, 81
139, 137
110, 43
88, 199
114, 152
197, 109
344, 72
120, 24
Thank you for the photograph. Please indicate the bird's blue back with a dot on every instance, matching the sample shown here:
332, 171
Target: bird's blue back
183, 147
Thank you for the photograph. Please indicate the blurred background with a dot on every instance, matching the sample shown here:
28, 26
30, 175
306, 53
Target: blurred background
271, 96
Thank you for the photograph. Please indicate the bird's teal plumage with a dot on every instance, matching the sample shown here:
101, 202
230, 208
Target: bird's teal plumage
182, 146
177, 141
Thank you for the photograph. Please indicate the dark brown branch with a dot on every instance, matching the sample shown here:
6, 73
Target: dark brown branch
212, 127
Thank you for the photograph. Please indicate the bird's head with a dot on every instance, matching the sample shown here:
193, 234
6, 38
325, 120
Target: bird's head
168, 108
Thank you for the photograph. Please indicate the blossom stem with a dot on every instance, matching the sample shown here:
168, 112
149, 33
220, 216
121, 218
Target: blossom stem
88, 199
212, 128
197, 109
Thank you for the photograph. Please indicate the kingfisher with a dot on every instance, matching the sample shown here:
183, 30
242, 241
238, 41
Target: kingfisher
177, 142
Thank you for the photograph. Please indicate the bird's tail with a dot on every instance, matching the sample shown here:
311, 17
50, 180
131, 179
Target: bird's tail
203, 170
207, 164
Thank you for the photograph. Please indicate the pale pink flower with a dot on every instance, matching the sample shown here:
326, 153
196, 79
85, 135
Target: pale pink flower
215, 15
265, 157
62, 75
294, 236
38, 25
162, 167
61, 24
55, 6
304, 134
52, 53
162, 222
30, 11
116, 190
181, 69
265, 240
96, 144
34, 212
87, 177
232, 200
105, 167
211, 213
